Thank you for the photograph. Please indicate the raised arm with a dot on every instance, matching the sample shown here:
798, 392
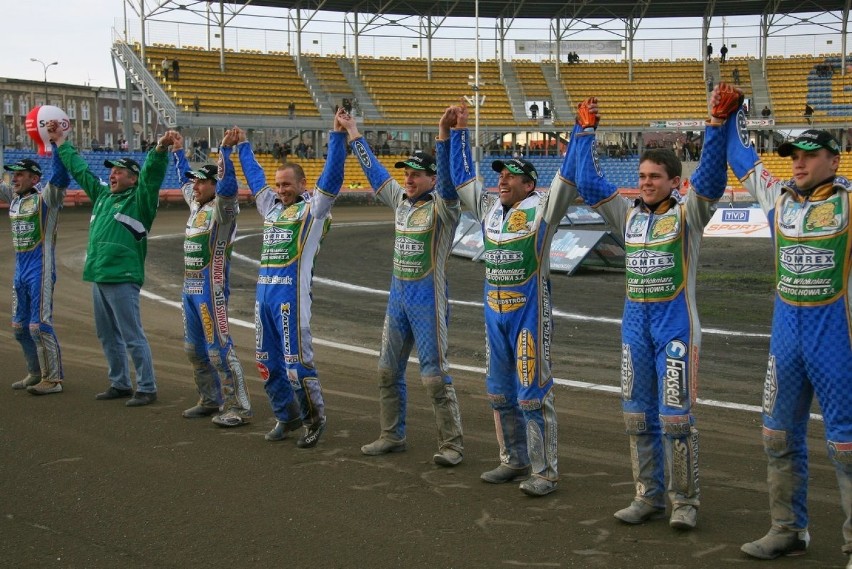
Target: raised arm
387, 189
592, 185
226, 188
74, 163
181, 166
444, 186
54, 191
463, 170
153, 172
331, 179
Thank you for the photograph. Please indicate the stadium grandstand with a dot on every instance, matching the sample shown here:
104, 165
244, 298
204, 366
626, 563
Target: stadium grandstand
284, 85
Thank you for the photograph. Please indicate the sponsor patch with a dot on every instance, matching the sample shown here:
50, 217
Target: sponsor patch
261, 356
841, 452
206, 323
635, 423
770, 387
675, 376
529, 404
517, 222
503, 256
626, 372
648, 262
664, 226
506, 300
263, 371
525, 354
803, 259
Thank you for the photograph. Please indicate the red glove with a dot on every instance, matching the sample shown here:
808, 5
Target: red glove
729, 100
587, 113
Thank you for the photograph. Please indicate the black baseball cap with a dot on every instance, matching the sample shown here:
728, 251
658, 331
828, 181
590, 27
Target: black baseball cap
811, 140
25, 165
128, 163
206, 172
516, 166
419, 161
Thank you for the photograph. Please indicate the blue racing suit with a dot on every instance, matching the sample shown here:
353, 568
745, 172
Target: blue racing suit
210, 232
34, 217
660, 332
417, 312
291, 241
518, 319
810, 351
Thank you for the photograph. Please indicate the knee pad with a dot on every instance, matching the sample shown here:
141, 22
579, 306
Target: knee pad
21, 333
840, 453
386, 378
635, 423
676, 426
775, 443
498, 401
35, 333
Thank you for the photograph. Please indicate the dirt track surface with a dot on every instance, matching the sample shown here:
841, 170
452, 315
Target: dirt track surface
90, 484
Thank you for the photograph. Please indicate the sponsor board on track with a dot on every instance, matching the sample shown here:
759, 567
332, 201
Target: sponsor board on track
738, 222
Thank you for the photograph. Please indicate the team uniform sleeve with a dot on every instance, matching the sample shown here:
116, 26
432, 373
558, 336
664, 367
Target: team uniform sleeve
595, 189
150, 180
563, 188
227, 207
747, 166
463, 171
181, 166
256, 178
386, 188
79, 170
709, 179
54, 191
331, 179
447, 205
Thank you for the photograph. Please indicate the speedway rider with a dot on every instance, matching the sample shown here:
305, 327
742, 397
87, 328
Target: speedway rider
518, 226
810, 350
427, 214
210, 232
661, 337
34, 213
294, 223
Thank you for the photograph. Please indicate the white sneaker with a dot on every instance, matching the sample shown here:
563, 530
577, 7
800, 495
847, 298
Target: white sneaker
684, 516
639, 512
26, 382
537, 486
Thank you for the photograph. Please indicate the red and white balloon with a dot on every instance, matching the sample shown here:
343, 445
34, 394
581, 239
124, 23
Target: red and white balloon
36, 124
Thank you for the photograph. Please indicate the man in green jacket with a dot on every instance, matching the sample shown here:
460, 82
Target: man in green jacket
122, 213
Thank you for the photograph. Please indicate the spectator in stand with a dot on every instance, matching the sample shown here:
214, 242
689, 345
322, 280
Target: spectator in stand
534, 110
291, 110
735, 74
545, 111
175, 69
709, 52
809, 113
196, 105
723, 54
766, 112
167, 66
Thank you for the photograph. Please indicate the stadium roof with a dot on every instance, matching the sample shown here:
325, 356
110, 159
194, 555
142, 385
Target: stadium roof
549, 9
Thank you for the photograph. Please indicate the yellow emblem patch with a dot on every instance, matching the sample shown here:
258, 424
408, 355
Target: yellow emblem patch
517, 222
664, 226
291, 212
525, 354
420, 218
506, 300
820, 216
207, 323
200, 219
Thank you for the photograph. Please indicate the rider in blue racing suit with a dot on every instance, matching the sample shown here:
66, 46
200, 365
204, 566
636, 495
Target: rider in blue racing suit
810, 350
426, 215
34, 214
294, 223
661, 336
518, 226
210, 232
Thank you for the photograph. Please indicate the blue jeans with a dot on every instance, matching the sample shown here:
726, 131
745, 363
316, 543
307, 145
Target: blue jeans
119, 327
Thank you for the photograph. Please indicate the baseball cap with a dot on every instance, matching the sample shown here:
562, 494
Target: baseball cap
25, 165
516, 166
206, 172
419, 161
128, 163
811, 140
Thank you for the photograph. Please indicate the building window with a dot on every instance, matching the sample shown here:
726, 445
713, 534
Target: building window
119, 113
148, 117
108, 140
135, 115
72, 109
8, 107
23, 105
84, 110
107, 113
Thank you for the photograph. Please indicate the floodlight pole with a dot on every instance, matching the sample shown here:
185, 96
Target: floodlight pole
477, 155
44, 67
